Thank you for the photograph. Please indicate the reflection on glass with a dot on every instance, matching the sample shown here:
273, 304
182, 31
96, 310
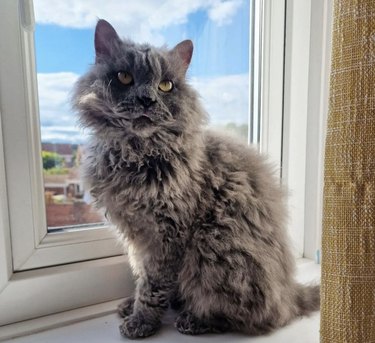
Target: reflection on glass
64, 50
67, 202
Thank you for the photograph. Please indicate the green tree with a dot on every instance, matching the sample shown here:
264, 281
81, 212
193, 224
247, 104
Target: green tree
52, 160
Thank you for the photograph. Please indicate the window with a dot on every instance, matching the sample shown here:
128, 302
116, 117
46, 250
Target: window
64, 51
45, 121
50, 240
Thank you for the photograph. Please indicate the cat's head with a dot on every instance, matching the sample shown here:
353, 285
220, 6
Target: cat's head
137, 89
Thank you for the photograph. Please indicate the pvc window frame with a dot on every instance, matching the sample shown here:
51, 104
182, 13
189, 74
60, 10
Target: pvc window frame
88, 266
289, 100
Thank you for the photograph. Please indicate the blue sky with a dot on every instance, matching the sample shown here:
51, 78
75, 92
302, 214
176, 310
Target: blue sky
218, 28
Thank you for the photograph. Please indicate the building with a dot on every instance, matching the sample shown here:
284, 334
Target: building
65, 150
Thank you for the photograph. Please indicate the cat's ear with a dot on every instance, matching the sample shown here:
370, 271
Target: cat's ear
105, 35
184, 51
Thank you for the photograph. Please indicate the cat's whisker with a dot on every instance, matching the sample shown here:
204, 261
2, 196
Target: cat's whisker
109, 91
106, 95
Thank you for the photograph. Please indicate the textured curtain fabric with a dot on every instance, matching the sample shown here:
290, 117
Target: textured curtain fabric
348, 242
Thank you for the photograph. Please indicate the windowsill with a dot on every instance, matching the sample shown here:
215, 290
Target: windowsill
105, 328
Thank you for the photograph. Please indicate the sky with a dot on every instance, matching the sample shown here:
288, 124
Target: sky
219, 70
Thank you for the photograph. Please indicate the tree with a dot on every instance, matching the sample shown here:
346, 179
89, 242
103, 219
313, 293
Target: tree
52, 160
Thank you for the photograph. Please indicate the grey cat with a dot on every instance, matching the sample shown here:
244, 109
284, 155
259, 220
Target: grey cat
202, 215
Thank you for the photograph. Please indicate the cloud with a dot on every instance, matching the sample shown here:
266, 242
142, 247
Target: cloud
56, 117
223, 11
59, 134
225, 98
143, 19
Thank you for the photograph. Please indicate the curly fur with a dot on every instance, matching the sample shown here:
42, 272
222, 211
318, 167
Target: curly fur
203, 216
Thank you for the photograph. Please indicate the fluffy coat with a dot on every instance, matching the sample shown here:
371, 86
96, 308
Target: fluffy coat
202, 216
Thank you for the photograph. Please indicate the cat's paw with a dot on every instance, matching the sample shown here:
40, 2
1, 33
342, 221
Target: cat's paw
135, 326
188, 324
126, 307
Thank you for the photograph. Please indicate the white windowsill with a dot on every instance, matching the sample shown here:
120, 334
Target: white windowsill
105, 328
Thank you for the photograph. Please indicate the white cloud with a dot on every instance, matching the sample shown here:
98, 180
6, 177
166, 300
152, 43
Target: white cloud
225, 98
56, 116
222, 12
142, 20
66, 135
54, 88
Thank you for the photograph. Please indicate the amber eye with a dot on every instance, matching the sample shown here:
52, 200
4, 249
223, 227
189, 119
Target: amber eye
124, 77
166, 86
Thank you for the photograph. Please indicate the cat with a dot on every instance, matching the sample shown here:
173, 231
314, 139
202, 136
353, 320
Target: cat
202, 216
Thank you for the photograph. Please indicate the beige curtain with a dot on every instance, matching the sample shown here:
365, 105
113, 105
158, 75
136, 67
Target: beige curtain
348, 242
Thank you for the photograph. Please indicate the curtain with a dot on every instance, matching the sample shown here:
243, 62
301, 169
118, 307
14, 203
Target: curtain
348, 239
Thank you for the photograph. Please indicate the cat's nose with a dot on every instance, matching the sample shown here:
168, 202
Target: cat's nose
146, 101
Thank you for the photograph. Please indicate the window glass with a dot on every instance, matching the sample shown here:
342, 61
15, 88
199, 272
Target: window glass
64, 49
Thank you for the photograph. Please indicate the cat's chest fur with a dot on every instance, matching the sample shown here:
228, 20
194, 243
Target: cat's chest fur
155, 195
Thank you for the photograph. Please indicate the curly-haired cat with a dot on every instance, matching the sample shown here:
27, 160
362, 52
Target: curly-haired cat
202, 216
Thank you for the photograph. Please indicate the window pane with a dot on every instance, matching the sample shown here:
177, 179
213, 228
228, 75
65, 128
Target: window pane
64, 50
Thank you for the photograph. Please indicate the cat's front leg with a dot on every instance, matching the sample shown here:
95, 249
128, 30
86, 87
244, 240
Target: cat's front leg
151, 301
126, 307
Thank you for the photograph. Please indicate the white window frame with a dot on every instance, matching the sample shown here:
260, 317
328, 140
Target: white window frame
25, 291
318, 101
306, 90
33, 247
284, 108
290, 103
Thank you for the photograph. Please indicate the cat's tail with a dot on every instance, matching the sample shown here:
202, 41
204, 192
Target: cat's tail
307, 298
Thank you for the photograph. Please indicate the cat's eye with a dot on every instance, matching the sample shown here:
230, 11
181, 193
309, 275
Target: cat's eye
166, 86
125, 78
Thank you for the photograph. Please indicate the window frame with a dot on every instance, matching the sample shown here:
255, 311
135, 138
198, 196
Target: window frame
318, 105
291, 104
306, 94
295, 107
276, 103
24, 242
32, 245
